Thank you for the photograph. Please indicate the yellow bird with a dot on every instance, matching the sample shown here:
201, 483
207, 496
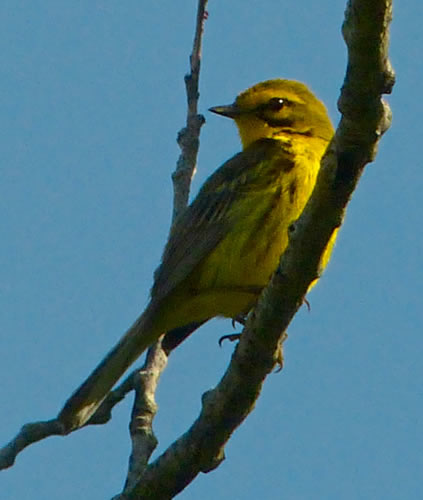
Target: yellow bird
225, 247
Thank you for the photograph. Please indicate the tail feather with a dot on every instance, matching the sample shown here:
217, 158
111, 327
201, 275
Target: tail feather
90, 394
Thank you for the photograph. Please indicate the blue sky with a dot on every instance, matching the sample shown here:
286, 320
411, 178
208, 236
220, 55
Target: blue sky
91, 99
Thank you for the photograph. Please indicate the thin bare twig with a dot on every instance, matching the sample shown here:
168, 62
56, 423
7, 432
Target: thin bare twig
189, 136
29, 434
145, 406
144, 410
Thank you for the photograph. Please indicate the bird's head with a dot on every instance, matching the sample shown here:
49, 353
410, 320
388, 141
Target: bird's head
277, 109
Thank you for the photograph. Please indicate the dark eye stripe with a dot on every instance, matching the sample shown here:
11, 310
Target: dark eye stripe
278, 122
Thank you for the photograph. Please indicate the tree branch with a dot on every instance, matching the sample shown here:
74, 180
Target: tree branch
29, 434
189, 137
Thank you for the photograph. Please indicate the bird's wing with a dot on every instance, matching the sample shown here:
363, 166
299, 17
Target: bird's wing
208, 219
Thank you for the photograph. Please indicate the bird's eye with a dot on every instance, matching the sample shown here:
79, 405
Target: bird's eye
276, 103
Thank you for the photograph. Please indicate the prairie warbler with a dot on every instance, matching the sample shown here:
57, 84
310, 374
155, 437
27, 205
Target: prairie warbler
225, 247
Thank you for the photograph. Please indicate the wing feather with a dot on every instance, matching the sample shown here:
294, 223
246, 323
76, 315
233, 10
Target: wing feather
208, 219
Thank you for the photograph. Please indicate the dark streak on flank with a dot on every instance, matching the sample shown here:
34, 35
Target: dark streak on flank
292, 191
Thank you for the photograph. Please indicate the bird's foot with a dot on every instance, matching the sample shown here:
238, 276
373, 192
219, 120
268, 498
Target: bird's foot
232, 337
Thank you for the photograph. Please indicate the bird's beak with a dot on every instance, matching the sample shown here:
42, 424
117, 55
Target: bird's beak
231, 110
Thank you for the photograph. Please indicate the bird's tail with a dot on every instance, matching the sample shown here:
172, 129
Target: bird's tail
88, 397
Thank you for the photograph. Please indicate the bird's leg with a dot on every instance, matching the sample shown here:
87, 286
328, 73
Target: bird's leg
241, 319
